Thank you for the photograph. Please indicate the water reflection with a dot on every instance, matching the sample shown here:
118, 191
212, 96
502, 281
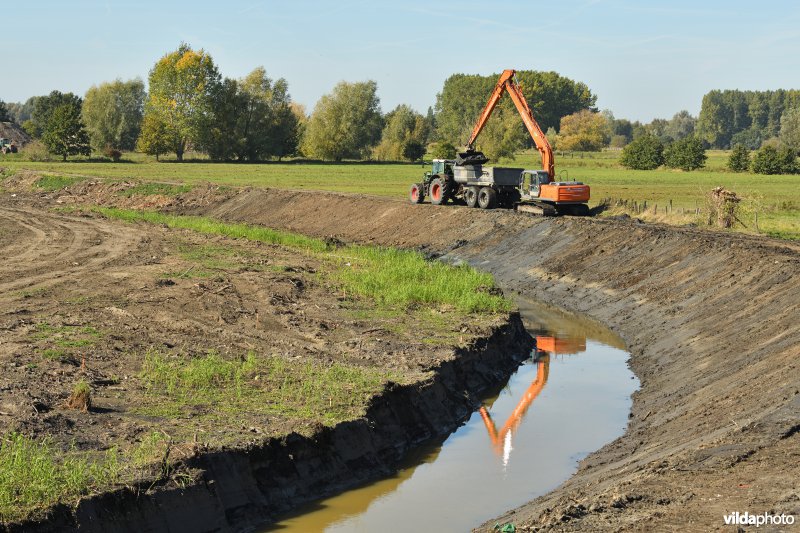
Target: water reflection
502, 440
577, 378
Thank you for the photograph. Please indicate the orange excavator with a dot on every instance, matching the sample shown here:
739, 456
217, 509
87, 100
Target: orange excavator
532, 191
539, 191
545, 346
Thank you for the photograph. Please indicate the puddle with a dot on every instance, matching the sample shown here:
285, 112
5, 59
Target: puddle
569, 399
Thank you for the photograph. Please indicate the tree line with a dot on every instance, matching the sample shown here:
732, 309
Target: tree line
189, 106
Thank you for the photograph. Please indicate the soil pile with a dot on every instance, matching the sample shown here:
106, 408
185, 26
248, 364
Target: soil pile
10, 130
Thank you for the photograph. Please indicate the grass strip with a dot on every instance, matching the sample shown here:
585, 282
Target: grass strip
31, 478
55, 183
306, 390
390, 277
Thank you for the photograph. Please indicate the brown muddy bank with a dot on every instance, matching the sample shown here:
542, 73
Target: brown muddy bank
711, 319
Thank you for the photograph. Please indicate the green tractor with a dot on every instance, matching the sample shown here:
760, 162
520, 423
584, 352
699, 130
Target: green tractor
439, 184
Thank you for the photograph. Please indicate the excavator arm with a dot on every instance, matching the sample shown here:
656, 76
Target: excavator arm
508, 83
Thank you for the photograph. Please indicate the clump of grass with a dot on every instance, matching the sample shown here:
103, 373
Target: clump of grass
55, 183
35, 475
401, 278
150, 189
81, 396
266, 385
389, 276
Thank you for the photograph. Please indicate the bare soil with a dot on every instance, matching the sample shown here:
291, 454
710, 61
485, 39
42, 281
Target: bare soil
711, 319
84, 298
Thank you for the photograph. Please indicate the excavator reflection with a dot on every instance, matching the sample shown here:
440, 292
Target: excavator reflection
545, 347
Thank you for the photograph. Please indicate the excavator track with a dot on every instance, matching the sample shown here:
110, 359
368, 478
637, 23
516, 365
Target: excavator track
537, 209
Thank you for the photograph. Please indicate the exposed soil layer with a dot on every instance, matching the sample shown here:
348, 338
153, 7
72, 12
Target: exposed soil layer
83, 297
711, 319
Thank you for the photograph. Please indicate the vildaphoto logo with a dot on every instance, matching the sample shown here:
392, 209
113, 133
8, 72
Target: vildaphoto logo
758, 520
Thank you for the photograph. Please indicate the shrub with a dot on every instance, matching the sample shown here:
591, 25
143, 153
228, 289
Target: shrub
644, 153
112, 153
686, 154
767, 161
739, 160
35, 151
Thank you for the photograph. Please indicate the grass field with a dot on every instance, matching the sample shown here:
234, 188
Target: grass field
776, 199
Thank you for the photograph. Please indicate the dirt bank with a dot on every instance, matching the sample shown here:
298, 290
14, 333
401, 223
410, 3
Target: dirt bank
711, 319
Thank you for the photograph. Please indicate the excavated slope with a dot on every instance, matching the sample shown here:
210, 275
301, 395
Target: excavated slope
710, 318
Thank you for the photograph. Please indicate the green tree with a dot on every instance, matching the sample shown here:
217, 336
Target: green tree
285, 122
788, 160
644, 153
404, 135
584, 131
20, 112
681, 125
253, 119
749, 138
658, 128
64, 133
620, 131
767, 161
790, 128
443, 150
183, 84
463, 97
154, 138
345, 124
113, 114
503, 135
739, 160
4, 115
43, 108
686, 154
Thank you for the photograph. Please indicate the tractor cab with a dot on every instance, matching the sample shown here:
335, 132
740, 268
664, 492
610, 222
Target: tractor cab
531, 182
442, 167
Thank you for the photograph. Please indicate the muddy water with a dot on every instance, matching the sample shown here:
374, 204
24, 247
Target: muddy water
570, 398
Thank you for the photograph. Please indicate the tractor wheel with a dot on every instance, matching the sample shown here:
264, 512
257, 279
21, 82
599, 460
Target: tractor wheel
471, 196
416, 193
487, 198
438, 191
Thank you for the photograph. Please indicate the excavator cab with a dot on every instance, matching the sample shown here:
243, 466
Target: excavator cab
531, 182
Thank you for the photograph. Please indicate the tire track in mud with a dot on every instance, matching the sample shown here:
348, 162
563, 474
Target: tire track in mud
47, 248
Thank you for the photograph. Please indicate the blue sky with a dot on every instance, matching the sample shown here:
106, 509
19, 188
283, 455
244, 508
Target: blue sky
644, 59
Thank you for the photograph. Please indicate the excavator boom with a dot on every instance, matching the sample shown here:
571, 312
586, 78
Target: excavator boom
507, 83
